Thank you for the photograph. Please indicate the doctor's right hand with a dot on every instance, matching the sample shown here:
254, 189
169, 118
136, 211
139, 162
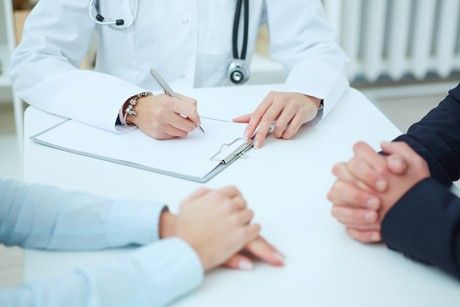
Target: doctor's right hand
218, 225
163, 117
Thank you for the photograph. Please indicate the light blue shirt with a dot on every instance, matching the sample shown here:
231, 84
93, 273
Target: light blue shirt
40, 217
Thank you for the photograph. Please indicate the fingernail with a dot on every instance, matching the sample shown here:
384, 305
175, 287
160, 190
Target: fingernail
381, 185
375, 237
373, 203
245, 265
370, 216
278, 257
257, 145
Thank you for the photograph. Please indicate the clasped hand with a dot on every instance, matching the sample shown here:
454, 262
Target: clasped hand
370, 184
218, 226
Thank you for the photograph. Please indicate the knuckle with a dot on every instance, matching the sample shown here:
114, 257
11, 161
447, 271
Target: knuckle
269, 116
158, 112
358, 145
404, 146
334, 211
340, 186
380, 169
280, 125
235, 219
336, 169
329, 195
219, 195
355, 196
234, 189
369, 175
243, 233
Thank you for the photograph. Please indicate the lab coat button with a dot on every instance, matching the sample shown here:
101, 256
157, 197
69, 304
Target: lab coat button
182, 76
185, 21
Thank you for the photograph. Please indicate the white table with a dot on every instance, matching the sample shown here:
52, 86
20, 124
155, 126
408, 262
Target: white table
285, 183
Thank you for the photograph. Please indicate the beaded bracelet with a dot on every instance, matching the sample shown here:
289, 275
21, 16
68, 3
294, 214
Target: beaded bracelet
128, 107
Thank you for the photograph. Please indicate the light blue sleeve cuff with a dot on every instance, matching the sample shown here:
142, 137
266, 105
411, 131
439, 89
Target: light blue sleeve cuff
181, 269
154, 275
133, 222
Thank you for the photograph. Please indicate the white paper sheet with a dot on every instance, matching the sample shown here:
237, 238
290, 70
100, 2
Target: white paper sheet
190, 156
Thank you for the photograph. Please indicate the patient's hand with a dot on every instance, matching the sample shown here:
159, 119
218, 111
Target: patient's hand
370, 184
218, 226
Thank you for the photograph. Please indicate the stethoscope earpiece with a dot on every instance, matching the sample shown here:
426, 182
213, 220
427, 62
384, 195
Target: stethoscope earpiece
118, 24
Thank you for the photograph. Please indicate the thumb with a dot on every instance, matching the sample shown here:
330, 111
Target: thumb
244, 119
397, 164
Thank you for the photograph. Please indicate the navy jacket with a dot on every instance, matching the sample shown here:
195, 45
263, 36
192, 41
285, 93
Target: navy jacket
425, 223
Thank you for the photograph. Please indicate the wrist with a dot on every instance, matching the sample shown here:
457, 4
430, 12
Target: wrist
129, 111
315, 101
168, 222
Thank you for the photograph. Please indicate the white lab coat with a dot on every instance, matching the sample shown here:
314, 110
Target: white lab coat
189, 42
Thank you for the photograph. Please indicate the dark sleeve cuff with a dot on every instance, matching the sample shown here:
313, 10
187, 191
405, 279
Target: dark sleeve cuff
424, 225
436, 171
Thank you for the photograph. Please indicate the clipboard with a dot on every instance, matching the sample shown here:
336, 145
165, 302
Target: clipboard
226, 153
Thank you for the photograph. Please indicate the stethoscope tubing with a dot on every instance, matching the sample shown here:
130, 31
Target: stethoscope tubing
94, 4
238, 60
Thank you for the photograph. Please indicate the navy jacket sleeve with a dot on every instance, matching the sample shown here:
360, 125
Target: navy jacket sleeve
425, 223
437, 138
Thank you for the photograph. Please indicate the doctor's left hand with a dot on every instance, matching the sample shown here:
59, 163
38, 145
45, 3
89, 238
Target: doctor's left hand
287, 111
163, 117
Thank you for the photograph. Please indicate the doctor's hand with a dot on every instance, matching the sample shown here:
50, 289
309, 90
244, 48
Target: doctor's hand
287, 111
162, 117
370, 184
217, 224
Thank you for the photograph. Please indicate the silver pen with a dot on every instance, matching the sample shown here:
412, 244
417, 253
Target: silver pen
166, 88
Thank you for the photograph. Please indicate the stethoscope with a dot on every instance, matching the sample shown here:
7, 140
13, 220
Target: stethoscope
238, 70
117, 24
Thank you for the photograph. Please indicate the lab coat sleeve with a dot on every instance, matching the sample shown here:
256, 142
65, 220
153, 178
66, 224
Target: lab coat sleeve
154, 275
43, 217
44, 67
302, 40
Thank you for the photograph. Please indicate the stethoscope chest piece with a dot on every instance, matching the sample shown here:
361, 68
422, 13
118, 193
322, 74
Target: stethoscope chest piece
238, 71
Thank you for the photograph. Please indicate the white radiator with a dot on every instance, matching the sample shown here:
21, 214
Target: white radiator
398, 38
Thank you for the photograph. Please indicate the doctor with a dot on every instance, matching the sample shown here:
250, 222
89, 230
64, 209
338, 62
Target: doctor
200, 43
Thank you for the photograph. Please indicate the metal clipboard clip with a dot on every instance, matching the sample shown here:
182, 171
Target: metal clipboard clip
235, 154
